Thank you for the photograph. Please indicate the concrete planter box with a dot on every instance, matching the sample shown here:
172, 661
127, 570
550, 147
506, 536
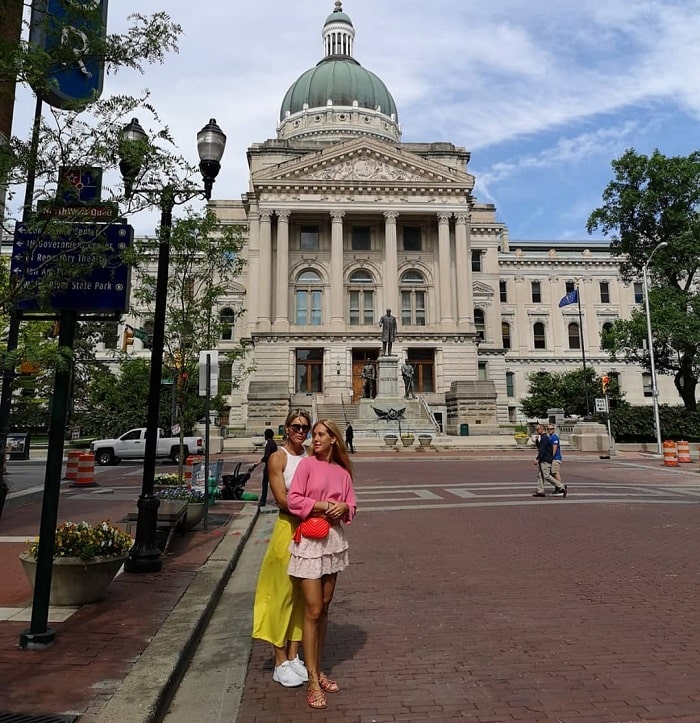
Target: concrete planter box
75, 581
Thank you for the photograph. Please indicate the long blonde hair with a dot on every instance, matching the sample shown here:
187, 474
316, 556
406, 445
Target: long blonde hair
339, 452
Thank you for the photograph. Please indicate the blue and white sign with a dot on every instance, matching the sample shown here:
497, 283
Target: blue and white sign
67, 26
102, 287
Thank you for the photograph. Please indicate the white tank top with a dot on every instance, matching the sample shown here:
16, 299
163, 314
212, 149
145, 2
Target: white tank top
291, 467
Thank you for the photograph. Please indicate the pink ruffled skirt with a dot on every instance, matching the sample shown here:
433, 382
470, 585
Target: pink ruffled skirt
311, 558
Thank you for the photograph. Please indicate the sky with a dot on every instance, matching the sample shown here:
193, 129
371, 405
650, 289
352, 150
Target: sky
544, 94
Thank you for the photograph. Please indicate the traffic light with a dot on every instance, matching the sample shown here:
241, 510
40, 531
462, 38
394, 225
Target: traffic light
605, 383
128, 339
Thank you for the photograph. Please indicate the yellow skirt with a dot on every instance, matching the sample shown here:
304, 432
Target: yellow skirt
278, 614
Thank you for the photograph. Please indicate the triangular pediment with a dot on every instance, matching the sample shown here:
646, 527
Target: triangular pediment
363, 161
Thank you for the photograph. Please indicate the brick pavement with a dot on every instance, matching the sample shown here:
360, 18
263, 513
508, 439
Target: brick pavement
467, 599
97, 646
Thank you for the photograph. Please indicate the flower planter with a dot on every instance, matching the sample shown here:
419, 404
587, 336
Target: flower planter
424, 440
522, 441
75, 581
390, 440
195, 514
407, 440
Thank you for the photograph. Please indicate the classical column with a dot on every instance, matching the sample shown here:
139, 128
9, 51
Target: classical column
282, 285
253, 270
337, 317
445, 268
265, 277
465, 302
391, 269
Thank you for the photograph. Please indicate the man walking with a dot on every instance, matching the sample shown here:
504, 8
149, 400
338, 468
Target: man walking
556, 453
349, 437
545, 457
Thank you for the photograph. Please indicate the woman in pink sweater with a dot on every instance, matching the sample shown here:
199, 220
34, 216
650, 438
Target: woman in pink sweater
321, 487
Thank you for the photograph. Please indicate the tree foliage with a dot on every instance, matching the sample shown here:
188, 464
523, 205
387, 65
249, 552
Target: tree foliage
567, 391
651, 200
204, 257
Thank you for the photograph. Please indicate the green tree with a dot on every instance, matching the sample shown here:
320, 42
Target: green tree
204, 257
654, 199
565, 390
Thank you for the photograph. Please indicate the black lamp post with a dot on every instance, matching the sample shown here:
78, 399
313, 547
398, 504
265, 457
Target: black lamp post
144, 556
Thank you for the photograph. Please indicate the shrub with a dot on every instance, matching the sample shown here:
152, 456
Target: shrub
86, 541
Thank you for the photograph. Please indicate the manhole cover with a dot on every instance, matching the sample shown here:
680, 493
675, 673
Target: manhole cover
36, 718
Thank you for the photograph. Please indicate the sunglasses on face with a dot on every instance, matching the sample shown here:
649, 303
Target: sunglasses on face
300, 428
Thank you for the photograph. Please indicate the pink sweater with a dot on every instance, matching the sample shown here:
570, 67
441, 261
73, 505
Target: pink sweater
316, 480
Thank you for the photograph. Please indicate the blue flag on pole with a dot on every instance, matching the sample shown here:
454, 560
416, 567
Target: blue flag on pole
570, 298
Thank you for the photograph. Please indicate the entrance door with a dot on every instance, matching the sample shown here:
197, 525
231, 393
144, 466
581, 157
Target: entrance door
359, 359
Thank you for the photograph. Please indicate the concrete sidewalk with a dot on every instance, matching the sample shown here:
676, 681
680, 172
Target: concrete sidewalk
113, 660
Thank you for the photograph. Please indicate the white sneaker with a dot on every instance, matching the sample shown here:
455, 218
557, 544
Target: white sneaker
297, 665
285, 675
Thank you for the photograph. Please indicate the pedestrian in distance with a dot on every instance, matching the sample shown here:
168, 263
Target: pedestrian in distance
349, 437
545, 457
321, 487
557, 458
270, 449
278, 613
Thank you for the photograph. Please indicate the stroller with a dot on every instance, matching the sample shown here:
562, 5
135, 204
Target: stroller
233, 485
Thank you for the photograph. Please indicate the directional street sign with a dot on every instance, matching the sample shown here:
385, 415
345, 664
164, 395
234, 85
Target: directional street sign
102, 287
601, 404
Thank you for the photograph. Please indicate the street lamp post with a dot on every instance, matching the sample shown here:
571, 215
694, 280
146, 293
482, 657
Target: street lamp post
144, 556
650, 342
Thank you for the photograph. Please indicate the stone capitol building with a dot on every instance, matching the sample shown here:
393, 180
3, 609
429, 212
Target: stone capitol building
343, 221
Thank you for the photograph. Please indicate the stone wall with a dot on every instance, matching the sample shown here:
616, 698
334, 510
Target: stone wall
472, 403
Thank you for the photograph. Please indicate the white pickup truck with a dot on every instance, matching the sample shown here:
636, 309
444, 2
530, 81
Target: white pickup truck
132, 445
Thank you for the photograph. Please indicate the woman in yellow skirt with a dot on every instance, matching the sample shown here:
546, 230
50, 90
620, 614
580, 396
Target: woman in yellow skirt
278, 614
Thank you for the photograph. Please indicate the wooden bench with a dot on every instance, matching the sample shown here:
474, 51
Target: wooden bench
171, 516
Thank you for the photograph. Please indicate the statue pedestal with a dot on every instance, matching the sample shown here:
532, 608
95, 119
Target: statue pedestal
388, 377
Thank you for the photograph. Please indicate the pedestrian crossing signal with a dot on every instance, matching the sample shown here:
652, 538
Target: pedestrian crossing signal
128, 339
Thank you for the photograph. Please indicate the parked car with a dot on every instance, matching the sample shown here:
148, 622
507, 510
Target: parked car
132, 445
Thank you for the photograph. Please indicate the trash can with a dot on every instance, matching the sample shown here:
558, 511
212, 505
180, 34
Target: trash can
464, 430
18, 445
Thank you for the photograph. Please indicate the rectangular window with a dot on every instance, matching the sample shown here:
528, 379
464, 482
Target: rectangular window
569, 286
604, 292
361, 307
309, 370
360, 238
483, 372
412, 240
503, 290
308, 307
536, 292
510, 384
309, 238
638, 292
423, 362
476, 260
413, 308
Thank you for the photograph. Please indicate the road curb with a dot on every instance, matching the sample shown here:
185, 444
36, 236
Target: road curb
152, 681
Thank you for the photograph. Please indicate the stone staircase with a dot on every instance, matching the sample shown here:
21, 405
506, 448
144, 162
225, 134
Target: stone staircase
339, 413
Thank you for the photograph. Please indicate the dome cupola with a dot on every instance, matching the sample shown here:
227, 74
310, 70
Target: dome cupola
338, 98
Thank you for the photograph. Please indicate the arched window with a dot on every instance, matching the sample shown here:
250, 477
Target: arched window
480, 324
505, 334
227, 319
309, 298
538, 338
574, 336
361, 298
413, 293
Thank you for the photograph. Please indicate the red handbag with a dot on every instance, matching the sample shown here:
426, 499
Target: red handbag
314, 527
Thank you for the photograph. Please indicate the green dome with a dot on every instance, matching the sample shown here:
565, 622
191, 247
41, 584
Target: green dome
342, 80
337, 16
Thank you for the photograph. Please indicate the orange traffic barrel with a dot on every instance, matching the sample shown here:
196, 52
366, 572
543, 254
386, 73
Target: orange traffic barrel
684, 451
670, 456
86, 471
72, 464
189, 462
